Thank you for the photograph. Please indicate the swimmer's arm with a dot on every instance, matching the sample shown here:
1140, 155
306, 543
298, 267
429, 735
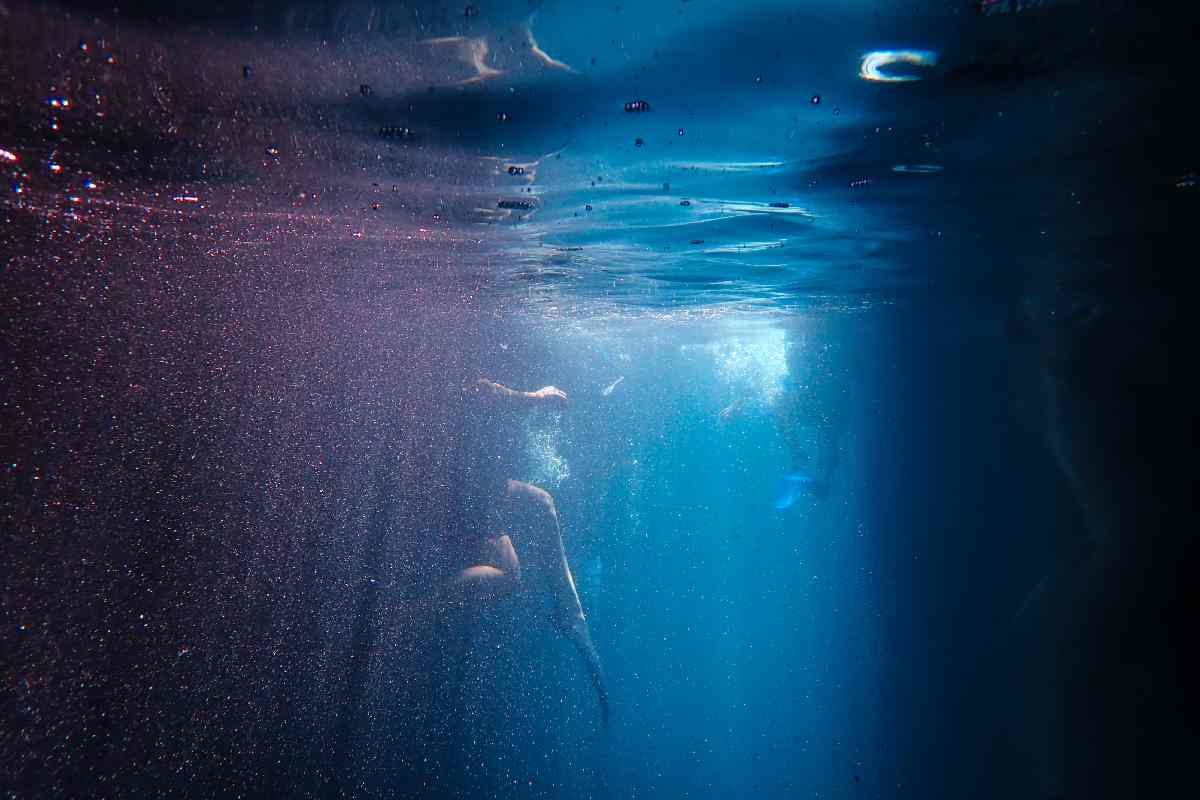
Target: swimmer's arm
500, 392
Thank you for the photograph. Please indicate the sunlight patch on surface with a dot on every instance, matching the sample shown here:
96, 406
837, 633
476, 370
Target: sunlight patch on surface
873, 64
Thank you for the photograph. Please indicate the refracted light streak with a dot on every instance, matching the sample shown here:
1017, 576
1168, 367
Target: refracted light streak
918, 169
873, 64
6, 155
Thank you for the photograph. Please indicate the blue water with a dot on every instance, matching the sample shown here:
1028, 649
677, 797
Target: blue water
868, 317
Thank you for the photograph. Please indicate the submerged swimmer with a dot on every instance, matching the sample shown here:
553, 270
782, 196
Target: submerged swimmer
811, 416
512, 531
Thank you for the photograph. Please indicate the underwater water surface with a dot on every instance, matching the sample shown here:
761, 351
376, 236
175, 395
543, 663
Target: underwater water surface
859, 329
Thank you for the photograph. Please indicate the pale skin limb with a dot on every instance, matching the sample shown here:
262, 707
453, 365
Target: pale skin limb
531, 512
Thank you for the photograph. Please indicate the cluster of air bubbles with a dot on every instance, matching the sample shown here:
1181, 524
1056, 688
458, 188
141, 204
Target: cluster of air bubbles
521, 205
365, 89
503, 117
854, 184
515, 170
636, 106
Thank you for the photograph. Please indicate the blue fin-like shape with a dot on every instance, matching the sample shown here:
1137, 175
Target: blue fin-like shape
790, 487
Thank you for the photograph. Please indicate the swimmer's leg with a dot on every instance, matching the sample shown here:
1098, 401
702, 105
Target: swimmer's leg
498, 576
535, 508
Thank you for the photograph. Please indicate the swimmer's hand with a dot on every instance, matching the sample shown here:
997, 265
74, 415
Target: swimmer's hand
730, 411
550, 394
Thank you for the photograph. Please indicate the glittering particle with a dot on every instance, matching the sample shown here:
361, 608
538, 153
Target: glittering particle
186, 198
90, 184
376, 206
859, 182
58, 102
55, 167
873, 63
272, 152
815, 99
8, 156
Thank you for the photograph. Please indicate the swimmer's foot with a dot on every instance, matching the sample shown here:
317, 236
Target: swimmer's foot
574, 628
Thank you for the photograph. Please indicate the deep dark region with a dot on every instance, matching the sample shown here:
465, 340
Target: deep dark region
249, 266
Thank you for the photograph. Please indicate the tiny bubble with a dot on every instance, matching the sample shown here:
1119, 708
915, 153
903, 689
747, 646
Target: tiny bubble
246, 71
758, 78
638, 142
836, 111
364, 89
376, 206
681, 131
503, 117
587, 207
816, 98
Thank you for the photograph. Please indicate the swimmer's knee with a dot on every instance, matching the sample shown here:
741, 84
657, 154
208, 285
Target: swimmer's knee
533, 494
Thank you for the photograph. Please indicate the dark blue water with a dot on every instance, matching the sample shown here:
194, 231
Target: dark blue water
927, 260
